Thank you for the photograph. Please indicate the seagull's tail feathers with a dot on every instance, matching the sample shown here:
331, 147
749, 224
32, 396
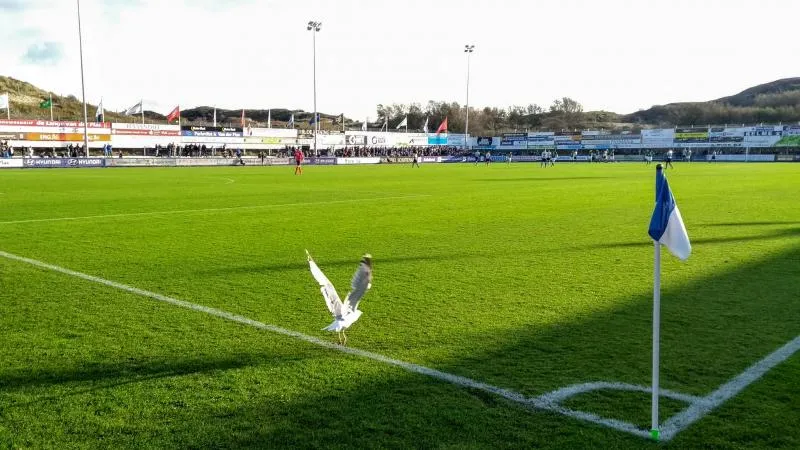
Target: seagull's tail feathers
336, 325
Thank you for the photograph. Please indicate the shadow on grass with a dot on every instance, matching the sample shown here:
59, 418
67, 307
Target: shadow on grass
130, 370
748, 224
302, 264
711, 330
779, 234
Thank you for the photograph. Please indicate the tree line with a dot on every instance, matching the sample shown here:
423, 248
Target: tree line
563, 114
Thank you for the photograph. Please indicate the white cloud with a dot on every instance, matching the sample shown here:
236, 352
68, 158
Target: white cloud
618, 55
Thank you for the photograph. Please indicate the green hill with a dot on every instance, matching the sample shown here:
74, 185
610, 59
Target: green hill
774, 102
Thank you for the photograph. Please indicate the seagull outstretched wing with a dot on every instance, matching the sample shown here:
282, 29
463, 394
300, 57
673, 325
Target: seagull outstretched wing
360, 284
332, 299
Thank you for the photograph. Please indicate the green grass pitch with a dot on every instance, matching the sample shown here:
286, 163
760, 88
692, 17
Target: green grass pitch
525, 278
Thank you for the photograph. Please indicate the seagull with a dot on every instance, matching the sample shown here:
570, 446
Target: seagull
344, 314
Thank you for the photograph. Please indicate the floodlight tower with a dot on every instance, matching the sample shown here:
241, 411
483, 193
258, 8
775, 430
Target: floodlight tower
314, 27
468, 49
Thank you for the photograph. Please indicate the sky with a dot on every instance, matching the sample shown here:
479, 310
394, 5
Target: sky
614, 55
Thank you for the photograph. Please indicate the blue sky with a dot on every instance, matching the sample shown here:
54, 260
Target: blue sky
618, 55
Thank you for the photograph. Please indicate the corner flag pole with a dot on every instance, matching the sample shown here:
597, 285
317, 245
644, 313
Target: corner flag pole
654, 433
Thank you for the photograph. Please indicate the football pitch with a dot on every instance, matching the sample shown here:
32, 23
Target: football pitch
511, 306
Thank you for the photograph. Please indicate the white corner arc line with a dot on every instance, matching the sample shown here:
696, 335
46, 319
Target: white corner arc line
204, 210
698, 408
561, 395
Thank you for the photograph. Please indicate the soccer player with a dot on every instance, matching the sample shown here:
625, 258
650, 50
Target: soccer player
552, 158
689, 155
477, 157
508, 161
668, 161
488, 157
298, 161
415, 161
543, 161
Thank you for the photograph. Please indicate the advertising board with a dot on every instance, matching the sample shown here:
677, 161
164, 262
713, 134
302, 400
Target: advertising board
63, 162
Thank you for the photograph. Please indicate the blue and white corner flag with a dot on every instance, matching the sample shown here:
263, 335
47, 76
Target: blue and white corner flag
666, 226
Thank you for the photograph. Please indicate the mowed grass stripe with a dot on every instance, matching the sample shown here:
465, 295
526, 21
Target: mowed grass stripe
211, 210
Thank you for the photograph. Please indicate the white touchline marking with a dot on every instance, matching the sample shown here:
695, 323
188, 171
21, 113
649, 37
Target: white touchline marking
699, 406
697, 410
232, 208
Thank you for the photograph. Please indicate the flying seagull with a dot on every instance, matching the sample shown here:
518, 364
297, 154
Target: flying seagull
344, 314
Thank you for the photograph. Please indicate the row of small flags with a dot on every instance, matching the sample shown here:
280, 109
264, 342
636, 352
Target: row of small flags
175, 114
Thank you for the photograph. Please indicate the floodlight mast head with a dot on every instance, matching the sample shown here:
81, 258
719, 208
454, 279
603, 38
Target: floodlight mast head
469, 48
313, 25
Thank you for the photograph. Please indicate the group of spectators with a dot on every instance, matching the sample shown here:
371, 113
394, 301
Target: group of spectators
6, 151
71, 151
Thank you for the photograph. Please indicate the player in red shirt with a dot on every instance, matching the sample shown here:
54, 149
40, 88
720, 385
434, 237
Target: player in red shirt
298, 162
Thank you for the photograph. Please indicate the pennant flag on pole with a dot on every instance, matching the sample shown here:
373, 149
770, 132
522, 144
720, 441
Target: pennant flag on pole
402, 124
99, 115
364, 125
666, 228
425, 127
175, 114
666, 225
291, 122
135, 109
269, 118
45, 104
242, 118
312, 121
5, 105
443, 127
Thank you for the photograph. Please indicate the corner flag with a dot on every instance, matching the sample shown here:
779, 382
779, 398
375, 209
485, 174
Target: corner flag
666, 227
